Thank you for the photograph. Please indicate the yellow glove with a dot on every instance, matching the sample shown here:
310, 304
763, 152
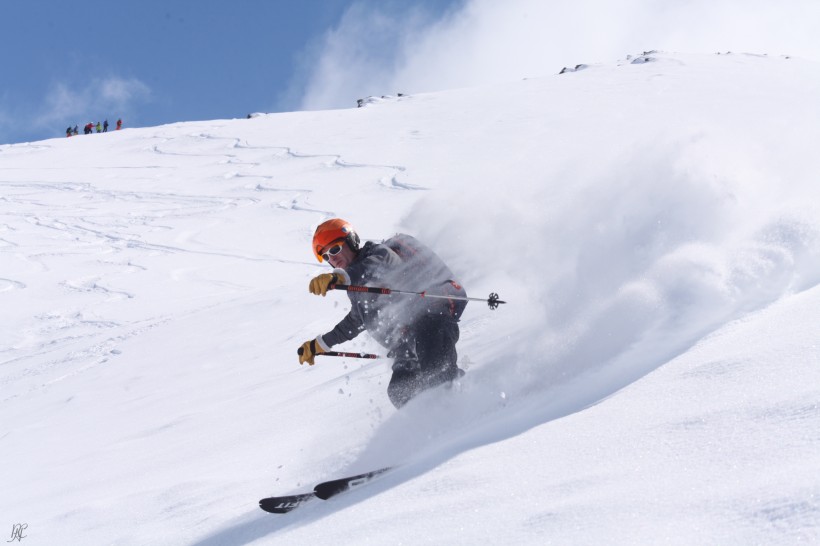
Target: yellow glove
308, 351
319, 283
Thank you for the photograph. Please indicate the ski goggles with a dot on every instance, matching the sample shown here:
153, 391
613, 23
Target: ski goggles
332, 251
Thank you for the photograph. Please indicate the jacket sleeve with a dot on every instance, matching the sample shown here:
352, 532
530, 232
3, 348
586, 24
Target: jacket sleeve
348, 328
369, 270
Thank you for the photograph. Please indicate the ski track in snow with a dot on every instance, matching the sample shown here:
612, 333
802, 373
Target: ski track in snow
10, 284
329, 160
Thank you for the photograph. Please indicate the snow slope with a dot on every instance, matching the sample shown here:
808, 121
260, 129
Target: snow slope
653, 224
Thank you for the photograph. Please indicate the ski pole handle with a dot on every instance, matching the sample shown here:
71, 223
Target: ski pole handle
301, 351
354, 288
350, 355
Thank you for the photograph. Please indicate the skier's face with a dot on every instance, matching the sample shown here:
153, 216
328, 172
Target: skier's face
342, 258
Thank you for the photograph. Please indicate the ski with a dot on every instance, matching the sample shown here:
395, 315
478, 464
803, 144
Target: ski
328, 489
284, 504
324, 491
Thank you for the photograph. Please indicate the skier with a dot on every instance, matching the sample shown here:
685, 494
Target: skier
420, 333
119, 124
105, 126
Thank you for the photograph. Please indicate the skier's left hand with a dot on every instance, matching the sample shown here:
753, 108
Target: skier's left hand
309, 350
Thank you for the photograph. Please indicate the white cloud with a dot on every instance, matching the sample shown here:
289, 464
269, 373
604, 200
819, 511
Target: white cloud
359, 57
373, 51
119, 92
94, 101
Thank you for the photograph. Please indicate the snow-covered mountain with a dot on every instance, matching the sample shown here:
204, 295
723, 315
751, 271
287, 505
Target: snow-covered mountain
653, 223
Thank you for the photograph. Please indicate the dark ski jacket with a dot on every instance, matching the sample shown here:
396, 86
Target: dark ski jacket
386, 317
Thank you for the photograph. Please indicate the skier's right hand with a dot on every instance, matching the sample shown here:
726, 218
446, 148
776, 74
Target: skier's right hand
319, 283
308, 351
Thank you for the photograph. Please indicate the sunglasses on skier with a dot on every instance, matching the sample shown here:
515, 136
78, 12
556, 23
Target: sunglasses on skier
332, 251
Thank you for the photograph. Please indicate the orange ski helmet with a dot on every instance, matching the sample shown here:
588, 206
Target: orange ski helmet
333, 231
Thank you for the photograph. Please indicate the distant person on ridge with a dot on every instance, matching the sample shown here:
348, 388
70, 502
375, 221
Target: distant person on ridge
119, 124
420, 333
99, 127
76, 130
105, 126
68, 131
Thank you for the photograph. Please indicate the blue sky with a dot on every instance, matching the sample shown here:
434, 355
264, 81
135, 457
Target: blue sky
158, 61
161, 61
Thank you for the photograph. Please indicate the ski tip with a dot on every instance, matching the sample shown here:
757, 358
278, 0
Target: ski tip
283, 505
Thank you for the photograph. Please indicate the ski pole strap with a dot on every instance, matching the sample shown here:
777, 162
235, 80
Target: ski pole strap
493, 301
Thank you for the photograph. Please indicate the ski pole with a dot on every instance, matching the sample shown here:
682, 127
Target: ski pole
492, 301
300, 351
